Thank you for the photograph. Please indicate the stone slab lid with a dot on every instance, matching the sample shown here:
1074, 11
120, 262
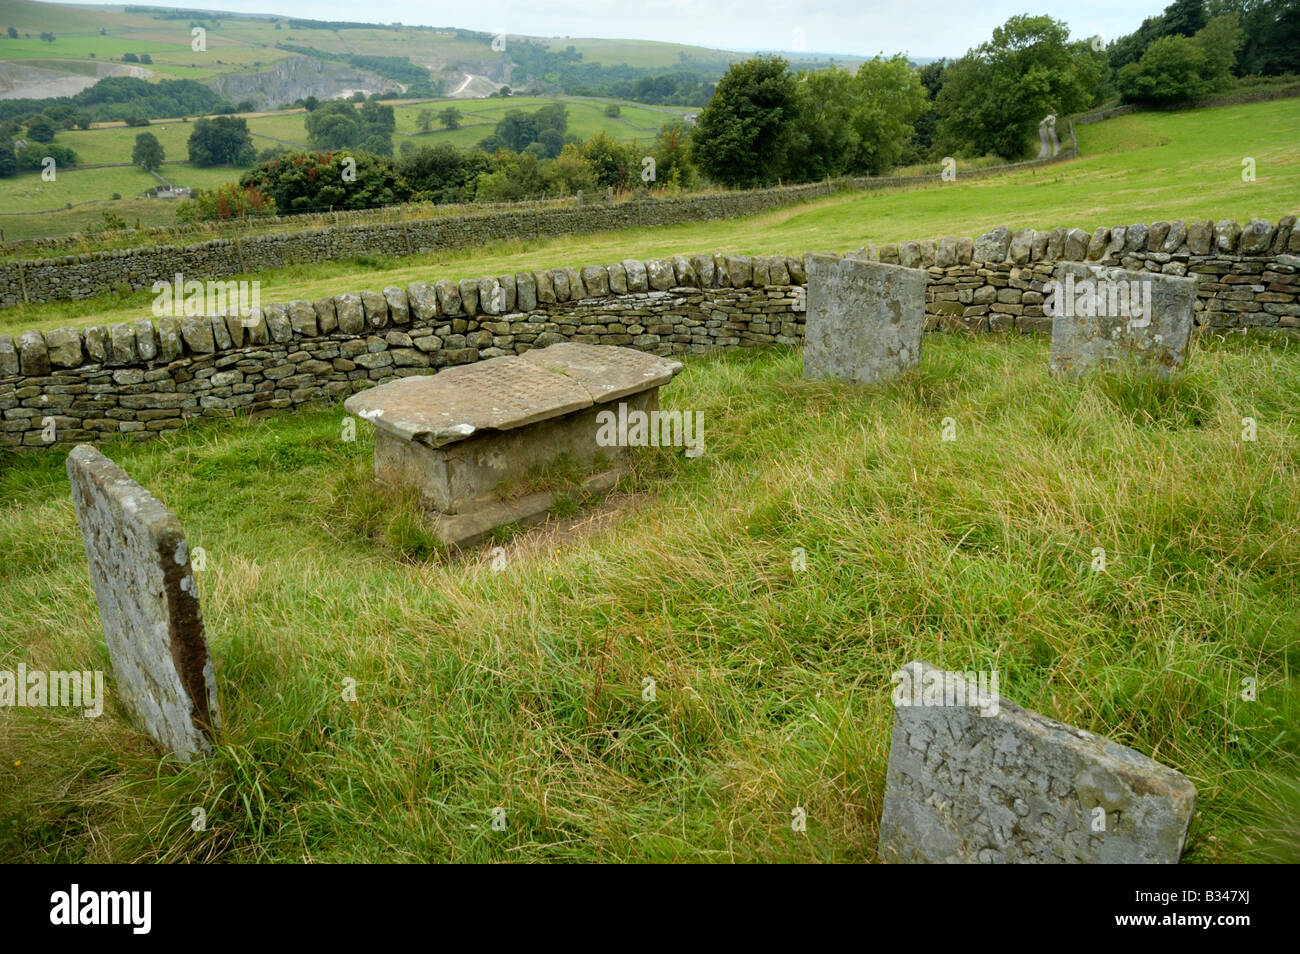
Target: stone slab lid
608, 372
507, 392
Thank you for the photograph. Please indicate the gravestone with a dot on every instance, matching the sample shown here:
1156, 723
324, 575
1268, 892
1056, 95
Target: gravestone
974, 778
459, 435
864, 319
1103, 316
148, 605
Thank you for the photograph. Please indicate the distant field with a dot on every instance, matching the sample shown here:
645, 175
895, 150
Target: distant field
29, 193
104, 47
640, 53
114, 143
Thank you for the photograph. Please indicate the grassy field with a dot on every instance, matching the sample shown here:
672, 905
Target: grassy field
1143, 167
113, 143
28, 192
523, 689
641, 53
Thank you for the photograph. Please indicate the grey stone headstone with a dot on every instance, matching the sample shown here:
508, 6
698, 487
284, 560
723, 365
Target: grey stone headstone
1153, 333
992, 783
148, 604
864, 319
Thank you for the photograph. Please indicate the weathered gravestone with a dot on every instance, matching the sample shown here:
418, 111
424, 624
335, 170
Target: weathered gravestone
981, 780
148, 604
1103, 315
864, 319
459, 435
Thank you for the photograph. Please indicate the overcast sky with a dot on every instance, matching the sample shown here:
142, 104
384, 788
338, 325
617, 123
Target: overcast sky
922, 28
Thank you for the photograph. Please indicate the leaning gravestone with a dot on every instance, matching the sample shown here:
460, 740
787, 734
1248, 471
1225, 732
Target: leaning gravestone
1105, 316
977, 779
148, 604
864, 319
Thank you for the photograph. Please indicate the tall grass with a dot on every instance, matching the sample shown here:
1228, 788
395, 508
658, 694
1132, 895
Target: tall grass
523, 689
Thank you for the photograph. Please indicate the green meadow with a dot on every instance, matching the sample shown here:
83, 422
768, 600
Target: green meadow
523, 689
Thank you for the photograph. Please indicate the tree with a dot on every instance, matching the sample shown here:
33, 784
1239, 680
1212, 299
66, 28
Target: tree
334, 125
1272, 37
443, 173
48, 37
926, 126
1172, 70
889, 99
8, 161
450, 117
148, 152
13, 33
424, 120
146, 58
1184, 17
612, 110
34, 155
743, 135
823, 141
615, 164
314, 182
569, 173
310, 103
220, 141
227, 201
516, 176
61, 115
1219, 40
134, 120
130, 58
245, 106
672, 156
994, 97
41, 130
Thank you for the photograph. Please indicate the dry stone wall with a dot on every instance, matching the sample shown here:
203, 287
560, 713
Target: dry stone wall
139, 378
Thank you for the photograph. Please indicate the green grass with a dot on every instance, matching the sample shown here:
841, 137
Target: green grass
1150, 167
522, 688
28, 192
114, 143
